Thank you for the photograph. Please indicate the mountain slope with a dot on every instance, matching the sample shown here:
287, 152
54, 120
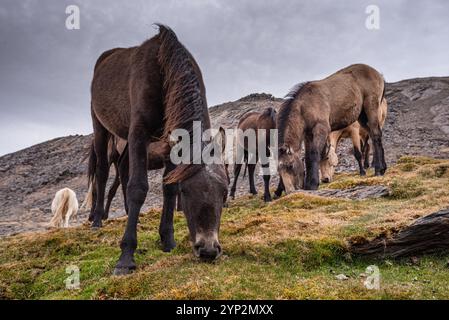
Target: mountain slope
417, 124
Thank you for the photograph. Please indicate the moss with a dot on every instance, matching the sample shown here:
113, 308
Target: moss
406, 188
417, 160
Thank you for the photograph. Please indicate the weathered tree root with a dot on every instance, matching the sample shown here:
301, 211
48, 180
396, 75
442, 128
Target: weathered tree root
429, 234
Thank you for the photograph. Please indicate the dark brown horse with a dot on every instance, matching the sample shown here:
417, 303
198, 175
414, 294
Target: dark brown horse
256, 122
313, 109
141, 94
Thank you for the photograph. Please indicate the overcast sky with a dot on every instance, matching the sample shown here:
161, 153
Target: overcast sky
241, 46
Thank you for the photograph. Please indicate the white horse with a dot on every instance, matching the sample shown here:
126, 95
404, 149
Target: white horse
63, 207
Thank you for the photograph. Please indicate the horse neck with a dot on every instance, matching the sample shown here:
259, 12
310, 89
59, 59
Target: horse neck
292, 132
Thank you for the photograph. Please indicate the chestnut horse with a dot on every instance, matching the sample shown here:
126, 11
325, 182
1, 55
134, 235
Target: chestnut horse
360, 142
314, 109
257, 122
141, 94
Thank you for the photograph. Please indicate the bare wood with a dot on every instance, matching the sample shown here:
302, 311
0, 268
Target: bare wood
428, 234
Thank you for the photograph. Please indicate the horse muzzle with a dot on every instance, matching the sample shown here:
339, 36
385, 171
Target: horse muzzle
207, 249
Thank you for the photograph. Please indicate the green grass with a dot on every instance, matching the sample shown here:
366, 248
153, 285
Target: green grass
292, 248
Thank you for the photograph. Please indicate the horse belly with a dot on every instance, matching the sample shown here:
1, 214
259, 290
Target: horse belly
115, 118
110, 102
346, 107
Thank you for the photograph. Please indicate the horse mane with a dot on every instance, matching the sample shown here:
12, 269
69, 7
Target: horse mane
183, 95
184, 99
285, 110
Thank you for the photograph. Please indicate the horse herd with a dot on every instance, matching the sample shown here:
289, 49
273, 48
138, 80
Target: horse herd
141, 94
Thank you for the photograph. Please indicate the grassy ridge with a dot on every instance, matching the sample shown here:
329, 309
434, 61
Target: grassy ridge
292, 248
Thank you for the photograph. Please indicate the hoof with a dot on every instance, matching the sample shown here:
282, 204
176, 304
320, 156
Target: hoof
254, 193
96, 225
122, 271
267, 198
276, 196
378, 174
169, 246
363, 173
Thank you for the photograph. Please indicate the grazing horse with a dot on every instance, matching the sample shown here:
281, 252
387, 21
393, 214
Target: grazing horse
314, 109
359, 137
64, 206
257, 122
142, 94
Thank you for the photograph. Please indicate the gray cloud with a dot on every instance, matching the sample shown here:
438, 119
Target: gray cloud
241, 46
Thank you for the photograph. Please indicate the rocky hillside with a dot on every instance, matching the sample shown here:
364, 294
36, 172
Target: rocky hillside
417, 124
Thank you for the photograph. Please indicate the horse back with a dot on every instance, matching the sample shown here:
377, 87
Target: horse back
347, 90
124, 77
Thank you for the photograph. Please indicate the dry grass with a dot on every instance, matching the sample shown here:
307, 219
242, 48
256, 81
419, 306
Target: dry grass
291, 248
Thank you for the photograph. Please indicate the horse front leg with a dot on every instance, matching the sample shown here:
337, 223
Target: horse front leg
136, 193
237, 168
279, 189
166, 229
266, 181
315, 143
251, 171
178, 203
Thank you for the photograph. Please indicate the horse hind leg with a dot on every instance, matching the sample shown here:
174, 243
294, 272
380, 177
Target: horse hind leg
371, 109
123, 168
101, 137
365, 152
112, 192
315, 142
355, 137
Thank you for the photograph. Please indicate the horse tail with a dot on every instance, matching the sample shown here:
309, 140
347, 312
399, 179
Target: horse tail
184, 93
87, 203
60, 208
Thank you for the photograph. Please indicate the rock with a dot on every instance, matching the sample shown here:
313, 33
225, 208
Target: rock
356, 193
341, 277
